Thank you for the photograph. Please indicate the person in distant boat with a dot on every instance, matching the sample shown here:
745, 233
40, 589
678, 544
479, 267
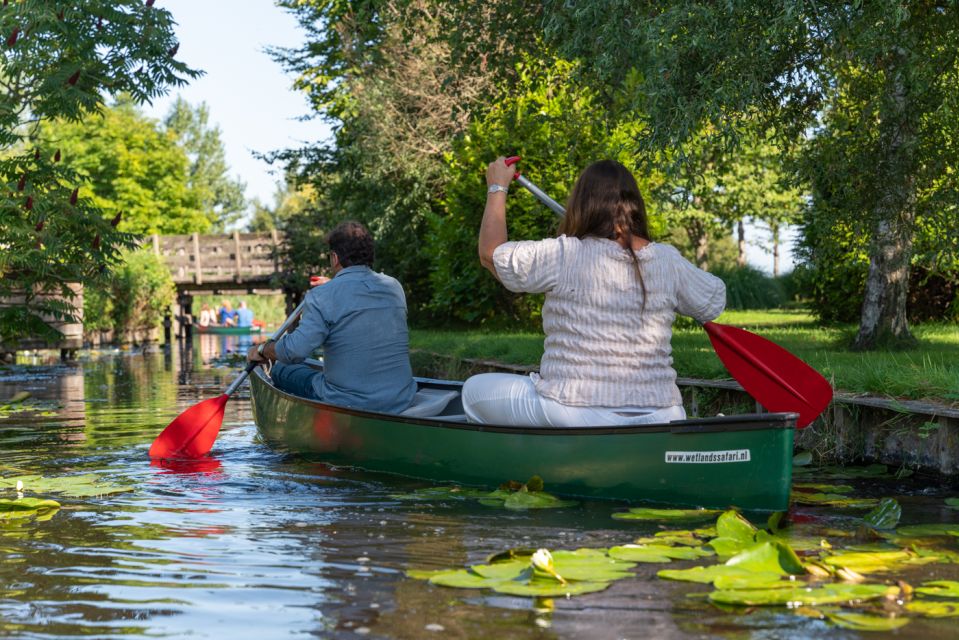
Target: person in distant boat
359, 319
611, 297
207, 317
244, 316
227, 314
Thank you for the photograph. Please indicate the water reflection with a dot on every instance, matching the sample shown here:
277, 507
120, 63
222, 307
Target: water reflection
251, 544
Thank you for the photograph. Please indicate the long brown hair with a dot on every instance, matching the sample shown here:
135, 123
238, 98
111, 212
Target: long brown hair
606, 203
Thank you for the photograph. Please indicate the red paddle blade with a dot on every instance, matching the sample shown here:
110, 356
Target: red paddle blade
777, 379
192, 433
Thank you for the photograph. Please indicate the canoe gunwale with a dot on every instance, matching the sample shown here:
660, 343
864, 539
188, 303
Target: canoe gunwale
721, 424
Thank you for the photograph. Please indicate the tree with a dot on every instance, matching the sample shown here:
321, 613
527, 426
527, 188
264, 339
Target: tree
129, 166
58, 62
787, 64
289, 200
220, 197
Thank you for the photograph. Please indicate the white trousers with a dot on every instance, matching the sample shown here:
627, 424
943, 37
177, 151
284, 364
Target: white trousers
512, 400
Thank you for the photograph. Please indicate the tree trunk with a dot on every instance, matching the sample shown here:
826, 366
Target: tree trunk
696, 231
883, 317
741, 260
774, 232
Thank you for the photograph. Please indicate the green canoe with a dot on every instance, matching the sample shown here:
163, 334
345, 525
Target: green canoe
228, 331
743, 461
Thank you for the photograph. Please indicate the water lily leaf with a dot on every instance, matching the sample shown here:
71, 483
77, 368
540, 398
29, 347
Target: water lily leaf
940, 588
865, 621
802, 459
685, 541
876, 561
753, 580
732, 525
796, 541
424, 574
509, 570
726, 548
642, 513
463, 579
27, 508
706, 575
656, 553
884, 516
933, 609
771, 555
442, 493
548, 589
800, 595
536, 500
814, 487
79, 486
921, 530
590, 565
833, 500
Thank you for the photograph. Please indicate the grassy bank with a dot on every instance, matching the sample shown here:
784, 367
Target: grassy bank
929, 371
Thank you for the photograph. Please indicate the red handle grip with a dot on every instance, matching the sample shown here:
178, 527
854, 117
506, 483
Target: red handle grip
510, 161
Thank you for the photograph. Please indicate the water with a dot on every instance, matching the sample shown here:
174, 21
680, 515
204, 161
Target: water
255, 544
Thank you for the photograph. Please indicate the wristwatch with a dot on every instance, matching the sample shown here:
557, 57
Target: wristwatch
493, 188
262, 347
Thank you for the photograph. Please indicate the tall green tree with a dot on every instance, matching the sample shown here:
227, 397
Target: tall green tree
220, 196
788, 63
58, 60
131, 167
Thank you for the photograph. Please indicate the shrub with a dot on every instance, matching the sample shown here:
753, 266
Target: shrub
750, 288
138, 294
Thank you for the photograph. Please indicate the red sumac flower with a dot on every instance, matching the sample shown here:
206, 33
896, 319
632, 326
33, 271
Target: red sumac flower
56, 156
96, 242
72, 80
73, 196
23, 183
40, 224
12, 40
116, 219
28, 205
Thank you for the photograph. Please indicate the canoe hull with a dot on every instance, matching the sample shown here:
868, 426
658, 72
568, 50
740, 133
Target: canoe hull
692, 463
228, 331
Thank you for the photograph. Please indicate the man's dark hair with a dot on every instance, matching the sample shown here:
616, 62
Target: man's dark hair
352, 243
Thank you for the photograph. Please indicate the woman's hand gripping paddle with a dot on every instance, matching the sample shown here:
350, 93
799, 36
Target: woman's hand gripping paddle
775, 378
193, 432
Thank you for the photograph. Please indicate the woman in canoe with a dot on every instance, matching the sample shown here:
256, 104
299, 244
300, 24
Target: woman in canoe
611, 297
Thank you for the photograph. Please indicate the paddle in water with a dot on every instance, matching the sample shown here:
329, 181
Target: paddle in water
775, 378
193, 432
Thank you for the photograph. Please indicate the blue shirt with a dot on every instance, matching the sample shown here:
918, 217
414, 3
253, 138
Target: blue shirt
244, 318
359, 318
225, 315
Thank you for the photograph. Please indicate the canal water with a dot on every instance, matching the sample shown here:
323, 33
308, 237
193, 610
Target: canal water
252, 543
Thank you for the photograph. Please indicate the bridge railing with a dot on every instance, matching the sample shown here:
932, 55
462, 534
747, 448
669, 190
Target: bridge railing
222, 258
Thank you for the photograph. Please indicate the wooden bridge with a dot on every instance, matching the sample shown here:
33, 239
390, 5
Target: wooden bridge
237, 262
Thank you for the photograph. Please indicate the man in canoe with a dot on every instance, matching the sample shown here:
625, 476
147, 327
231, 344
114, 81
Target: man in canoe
359, 319
611, 297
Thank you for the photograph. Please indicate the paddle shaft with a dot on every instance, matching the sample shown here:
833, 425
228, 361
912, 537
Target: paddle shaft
276, 335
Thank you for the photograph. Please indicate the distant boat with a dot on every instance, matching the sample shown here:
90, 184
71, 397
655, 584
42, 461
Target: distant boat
743, 461
228, 331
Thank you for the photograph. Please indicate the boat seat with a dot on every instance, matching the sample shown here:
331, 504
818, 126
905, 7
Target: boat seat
428, 403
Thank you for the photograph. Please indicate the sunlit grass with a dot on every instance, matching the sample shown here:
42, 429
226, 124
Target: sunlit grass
929, 371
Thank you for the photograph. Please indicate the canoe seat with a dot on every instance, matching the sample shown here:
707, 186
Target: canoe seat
429, 402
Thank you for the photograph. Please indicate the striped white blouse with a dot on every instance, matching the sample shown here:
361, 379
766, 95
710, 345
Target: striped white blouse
602, 348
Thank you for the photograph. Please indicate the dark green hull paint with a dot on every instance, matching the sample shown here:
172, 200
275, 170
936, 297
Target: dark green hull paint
625, 463
229, 331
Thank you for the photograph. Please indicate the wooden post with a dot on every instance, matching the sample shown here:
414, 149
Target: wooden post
236, 253
198, 273
276, 250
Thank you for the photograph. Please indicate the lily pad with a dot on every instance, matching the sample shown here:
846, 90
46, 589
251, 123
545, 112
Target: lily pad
590, 565
443, 493
814, 487
771, 555
802, 459
800, 595
501, 570
706, 575
547, 589
753, 580
875, 561
642, 513
28, 508
833, 500
922, 530
933, 609
671, 540
536, 500
463, 579
865, 621
656, 553
79, 486
884, 516
940, 588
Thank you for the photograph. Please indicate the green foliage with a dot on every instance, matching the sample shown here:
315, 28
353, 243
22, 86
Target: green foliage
58, 62
130, 166
139, 293
749, 288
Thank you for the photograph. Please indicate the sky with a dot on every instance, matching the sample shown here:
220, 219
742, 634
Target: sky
251, 99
